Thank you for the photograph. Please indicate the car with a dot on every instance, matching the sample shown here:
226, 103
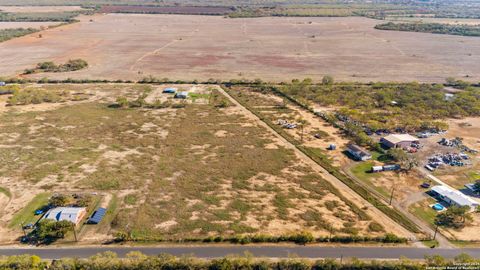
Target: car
39, 212
28, 226
425, 185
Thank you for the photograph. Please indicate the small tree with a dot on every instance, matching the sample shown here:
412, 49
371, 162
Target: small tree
327, 80
122, 101
58, 200
454, 217
48, 229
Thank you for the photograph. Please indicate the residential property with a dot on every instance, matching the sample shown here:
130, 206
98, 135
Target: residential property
72, 214
170, 90
399, 140
182, 95
454, 197
358, 153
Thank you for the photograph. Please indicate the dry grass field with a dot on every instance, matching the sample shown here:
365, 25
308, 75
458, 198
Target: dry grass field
37, 25
280, 49
38, 9
177, 172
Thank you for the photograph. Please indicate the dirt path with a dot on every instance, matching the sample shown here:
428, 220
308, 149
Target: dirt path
351, 195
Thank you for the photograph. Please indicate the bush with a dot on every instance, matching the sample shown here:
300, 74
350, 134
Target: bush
375, 227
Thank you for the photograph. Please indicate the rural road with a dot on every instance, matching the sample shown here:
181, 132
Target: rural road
281, 251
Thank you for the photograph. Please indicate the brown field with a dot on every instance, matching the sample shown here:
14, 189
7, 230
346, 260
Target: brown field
38, 25
202, 47
166, 10
175, 172
39, 9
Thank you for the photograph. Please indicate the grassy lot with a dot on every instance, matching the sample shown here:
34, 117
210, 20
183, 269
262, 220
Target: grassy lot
177, 173
424, 211
27, 214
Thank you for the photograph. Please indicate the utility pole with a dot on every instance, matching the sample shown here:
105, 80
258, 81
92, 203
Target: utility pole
391, 195
435, 234
74, 232
23, 229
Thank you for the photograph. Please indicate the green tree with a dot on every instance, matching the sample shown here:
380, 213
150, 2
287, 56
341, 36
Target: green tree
58, 200
454, 217
49, 229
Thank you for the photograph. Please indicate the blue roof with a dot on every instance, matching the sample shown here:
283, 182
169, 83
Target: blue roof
170, 90
97, 216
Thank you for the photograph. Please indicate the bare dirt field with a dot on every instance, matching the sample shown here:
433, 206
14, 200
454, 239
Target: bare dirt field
39, 9
280, 49
37, 25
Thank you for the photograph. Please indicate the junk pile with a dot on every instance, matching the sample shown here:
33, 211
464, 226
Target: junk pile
452, 159
286, 124
458, 143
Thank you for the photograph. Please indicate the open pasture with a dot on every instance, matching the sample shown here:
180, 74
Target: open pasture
194, 170
278, 49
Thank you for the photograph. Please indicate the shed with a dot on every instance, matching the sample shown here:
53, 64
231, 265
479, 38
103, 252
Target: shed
3, 83
182, 95
72, 214
332, 147
170, 90
97, 216
454, 197
358, 153
399, 140
377, 168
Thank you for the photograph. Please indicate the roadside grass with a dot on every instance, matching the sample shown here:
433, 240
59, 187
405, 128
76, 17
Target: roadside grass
27, 214
6, 192
466, 244
430, 243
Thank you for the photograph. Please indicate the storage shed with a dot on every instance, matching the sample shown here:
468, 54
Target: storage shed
97, 216
170, 90
182, 95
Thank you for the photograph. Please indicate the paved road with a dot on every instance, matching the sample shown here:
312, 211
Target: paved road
282, 251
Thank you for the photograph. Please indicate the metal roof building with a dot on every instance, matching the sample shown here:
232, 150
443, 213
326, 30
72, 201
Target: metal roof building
72, 214
454, 197
398, 140
97, 216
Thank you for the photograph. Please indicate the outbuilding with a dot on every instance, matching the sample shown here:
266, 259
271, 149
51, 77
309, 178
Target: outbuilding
182, 95
399, 140
358, 153
3, 83
170, 90
454, 197
72, 214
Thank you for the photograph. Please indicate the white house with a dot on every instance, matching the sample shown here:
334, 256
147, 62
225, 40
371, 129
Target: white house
454, 197
72, 214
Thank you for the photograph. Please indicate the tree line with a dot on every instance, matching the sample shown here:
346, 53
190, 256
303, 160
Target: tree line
137, 260
434, 28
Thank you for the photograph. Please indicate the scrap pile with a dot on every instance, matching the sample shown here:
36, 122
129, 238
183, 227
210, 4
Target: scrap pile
286, 124
458, 143
452, 159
